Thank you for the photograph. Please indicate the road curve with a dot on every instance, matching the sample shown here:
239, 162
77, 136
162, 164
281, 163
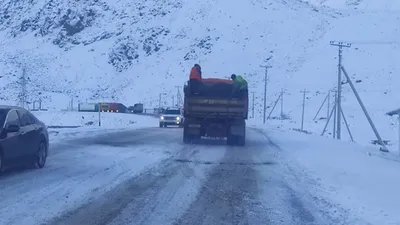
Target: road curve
208, 183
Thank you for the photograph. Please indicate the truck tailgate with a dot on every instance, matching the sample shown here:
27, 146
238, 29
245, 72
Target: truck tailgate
213, 106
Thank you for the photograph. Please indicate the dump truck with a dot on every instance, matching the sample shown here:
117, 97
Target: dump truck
213, 112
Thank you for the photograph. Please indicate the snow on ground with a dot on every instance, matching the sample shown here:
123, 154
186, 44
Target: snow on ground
371, 27
358, 179
88, 123
76, 174
169, 37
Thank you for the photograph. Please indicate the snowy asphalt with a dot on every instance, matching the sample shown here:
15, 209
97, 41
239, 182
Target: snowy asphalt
207, 183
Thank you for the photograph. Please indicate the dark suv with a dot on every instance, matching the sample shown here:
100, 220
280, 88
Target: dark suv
23, 138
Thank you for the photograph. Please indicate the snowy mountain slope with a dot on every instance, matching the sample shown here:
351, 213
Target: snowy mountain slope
369, 5
99, 49
133, 51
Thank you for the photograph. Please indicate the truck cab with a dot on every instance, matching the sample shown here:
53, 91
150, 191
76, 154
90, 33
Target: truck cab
171, 117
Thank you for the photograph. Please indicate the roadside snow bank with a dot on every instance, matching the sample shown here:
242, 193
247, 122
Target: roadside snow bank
359, 179
91, 119
87, 123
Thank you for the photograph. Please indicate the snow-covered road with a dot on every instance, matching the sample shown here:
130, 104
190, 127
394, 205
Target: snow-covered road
148, 176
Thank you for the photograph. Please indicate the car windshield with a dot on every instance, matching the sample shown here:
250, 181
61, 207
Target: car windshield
3, 114
175, 112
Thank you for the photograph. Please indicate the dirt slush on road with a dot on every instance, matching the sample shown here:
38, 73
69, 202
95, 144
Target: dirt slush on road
206, 183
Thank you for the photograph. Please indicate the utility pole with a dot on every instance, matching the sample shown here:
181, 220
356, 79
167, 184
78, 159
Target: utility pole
329, 104
265, 90
178, 95
99, 114
173, 101
23, 88
304, 103
339, 94
335, 116
282, 104
322, 105
159, 102
378, 136
252, 107
273, 107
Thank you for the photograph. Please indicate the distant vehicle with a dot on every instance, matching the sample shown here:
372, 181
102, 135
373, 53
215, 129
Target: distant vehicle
214, 113
158, 110
171, 116
137, 108
113, 107
88, 107
23, 138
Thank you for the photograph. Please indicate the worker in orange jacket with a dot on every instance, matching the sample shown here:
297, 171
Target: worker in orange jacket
195, 79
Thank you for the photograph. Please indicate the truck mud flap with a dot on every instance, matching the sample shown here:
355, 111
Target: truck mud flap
238, 129
193, 131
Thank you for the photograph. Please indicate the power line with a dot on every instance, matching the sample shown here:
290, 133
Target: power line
375, 42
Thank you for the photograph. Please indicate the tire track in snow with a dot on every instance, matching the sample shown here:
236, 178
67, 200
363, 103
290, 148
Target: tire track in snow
291, 196
167, 202
203, 184
150, 198
230, 194
73, 175
277, 200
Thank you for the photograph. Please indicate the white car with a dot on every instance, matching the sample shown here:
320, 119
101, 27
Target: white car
171, 116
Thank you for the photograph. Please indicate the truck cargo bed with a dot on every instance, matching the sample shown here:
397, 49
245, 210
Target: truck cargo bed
215, 107
219, 88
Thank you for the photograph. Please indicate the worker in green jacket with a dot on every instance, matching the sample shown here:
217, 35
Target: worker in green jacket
240, 85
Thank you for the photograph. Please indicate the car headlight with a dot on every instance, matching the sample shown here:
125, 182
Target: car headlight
178, 118
162, 118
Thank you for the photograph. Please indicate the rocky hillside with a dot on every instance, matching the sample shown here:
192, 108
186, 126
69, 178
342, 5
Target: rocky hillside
58, 36
133, 50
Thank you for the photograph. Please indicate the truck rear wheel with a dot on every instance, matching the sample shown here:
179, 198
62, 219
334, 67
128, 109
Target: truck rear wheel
241, 140
236, 140
189, 138
186, 137
230, 141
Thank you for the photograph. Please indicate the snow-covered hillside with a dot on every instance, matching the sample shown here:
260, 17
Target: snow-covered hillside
132, 51
372, 29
